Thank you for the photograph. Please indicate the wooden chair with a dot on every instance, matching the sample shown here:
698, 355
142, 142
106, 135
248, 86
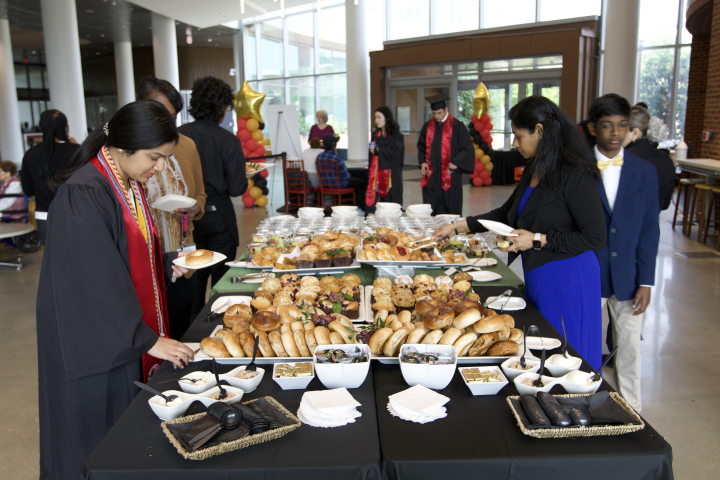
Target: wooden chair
713, 193
297, 192
688, 186
330, 184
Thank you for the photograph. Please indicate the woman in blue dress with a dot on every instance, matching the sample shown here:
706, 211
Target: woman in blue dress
558, 218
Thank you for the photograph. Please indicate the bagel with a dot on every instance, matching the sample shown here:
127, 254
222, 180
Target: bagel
269, 308
288, 313
264, 346
336, 327
343, 320
504, 333
198, 257
275, 338
310, 341
237, 313
265, 321
516, 335
285, 327
483, 344
378, 339
439, 303
432, 338
220, 336
241, 327
214, 348
405, 316
444, 318
392, 346
295, 326
301, 344
400, 253
416, 336
509, 321
489, 324
423, 307
381, 314
247, 341
288, 342
336, 339
450, 336
464, 305
467, 318
504, 349
462, 345
233, 345
322, 336
309, 326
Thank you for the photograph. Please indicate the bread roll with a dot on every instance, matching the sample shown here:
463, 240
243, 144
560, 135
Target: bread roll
241, 327
288, 342
220, 335
288, 313
516, 335
301, 344
265, 321
237, 313
276, 343
378, 339
504, 349
344, 321
462, 345
214, 348
198, 257
322, 336
483, 344
310, 341
392, 346
504, 333
393, 323
382, 314
509, 321
433, 337
247, 342
490, 324
444, 318
416, 336
264, 346
390, 319
297, 326
405, 316
450, 336
336, 339
309, 326
467, 318
233, 345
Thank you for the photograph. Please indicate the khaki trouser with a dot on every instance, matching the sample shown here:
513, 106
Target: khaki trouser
627, 330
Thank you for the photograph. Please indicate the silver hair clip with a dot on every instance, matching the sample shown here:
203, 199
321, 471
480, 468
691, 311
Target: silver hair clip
105, 129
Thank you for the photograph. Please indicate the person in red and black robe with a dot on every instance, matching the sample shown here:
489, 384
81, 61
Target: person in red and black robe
386, 159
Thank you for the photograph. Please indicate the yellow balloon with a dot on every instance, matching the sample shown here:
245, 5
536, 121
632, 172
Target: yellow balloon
248, 102
481, 100
251, 183
261, 141
490, 117
255, 192
252, 125
257, 135
485, 159
262, 201
479, 153
489, 167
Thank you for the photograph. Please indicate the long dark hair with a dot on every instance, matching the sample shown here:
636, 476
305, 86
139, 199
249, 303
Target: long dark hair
391, 126
150, 84
140, 125
52, 124
561, 145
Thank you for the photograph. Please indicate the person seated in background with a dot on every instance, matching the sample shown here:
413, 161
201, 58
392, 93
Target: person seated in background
10, 184
644, 134
309, 156
346, 181
322, 129
43, 161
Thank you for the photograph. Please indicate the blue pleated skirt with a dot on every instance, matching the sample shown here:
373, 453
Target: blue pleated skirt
570, 288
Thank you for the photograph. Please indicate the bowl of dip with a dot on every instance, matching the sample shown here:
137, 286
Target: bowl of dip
170, 411
197, 382
511, 367
523, 383
577, 382
558, 365
245, 380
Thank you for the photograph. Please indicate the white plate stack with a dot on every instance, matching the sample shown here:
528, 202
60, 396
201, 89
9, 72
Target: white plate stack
344, 211
311, 212
420, 210
385, 209
328, 408
418, 404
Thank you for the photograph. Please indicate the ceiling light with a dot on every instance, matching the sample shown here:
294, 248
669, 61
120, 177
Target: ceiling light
242, 7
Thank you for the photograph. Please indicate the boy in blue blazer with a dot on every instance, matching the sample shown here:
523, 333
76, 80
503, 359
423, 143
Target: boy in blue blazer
630, 198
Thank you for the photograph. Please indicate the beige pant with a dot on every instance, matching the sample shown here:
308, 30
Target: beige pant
627, 329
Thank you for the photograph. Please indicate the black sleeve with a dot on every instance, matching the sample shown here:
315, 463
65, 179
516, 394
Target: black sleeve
235, 180
464, 159
391, 151
26, 180
167, 259
421, 145
497, 215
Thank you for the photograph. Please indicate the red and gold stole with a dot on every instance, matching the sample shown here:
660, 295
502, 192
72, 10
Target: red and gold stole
144, 253
377, 178
446, 151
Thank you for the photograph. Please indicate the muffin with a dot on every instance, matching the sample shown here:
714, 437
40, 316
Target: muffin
309, 280
462, 285
263, 293
330, 281
354, 292
423, 279
351, 309
350, 280
342, 260
383, 282
289, 279
462, 276
272, 285
384, 303
305, 260
260, 302
323, 260
403, 299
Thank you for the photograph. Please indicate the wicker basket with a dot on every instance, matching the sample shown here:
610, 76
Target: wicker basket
235, 444
593, 431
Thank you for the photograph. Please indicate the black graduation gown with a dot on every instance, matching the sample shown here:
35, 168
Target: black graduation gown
462, 154
89, 324
664, 165
391, 156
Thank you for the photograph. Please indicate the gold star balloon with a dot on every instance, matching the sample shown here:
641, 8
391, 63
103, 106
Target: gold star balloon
481, 100
248, 103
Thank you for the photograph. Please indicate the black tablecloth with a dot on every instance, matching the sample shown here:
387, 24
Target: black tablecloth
136, 448
480, 438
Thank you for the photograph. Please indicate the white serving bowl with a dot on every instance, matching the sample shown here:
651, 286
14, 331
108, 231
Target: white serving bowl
420, 206
194, 388
293, 383
436, 377
344, 208
164, 412
388, 205
342, 375
560, 370
310, 210
511, 373
492, 388
549, 383
246, 385
576, 382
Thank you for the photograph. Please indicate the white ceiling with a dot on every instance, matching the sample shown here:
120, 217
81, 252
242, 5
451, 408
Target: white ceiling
208, 13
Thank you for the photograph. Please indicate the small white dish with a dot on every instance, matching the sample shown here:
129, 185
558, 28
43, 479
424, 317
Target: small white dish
513, 304
342, 375
542, 343
170, 202
576, 382
498, 228
195, 387
217, 258
342, 208
483, 262
293, 383
388, 205
164, 412
483, 276
436, 377
489, 388
548, 382
511, 373
568, 365
221, 304
248, 385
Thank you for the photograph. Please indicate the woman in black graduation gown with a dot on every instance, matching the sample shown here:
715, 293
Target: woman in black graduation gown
386, 159
101, 311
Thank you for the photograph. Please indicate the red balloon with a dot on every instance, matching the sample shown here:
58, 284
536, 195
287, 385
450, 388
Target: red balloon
485, 134
490, 126
487, 181
251, 144
264, 173
478, 127
246, 154
248, 201
244, 135
479, 167
473, 118
477, 181
485, 174
259, 151
485, 118
241, 124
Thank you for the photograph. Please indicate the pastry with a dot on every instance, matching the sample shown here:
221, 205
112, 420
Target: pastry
288, 279
236, 313
423, 279
350, 280
263, 294
260, 302
504, 349
462, 285
198, 257
271, 285
323, 260
305, 260
265, 321
400, 253
460, 276
214, 348
383, 282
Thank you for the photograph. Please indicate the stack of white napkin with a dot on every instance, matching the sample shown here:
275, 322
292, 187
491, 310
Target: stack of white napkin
418, 404
328, 408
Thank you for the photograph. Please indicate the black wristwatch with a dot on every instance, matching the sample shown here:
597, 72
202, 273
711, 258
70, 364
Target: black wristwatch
537, 244
455, 228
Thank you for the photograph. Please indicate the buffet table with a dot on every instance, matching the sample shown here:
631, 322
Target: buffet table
478, 439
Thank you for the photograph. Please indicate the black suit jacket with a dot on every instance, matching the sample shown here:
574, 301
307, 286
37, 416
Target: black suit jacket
571, 217
663, 164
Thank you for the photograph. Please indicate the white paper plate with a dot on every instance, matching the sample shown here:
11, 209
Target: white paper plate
515, 303
170, 202
217, 258
266, 166
543, 343
498, 228
484, 276
483, 262
219, 305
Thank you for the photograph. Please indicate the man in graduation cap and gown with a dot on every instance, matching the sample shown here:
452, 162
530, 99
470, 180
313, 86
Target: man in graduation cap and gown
445, 151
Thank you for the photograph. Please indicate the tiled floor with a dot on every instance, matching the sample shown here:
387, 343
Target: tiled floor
681, 358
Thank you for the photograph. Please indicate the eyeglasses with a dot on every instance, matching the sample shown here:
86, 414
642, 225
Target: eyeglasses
609, 127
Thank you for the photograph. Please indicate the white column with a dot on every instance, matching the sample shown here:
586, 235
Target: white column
165, 49
358, 80
620, 69
239, 59
10, 134
124, 73
62, 51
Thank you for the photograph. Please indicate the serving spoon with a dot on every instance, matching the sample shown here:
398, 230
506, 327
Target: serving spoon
167, 399
522, 359
223, 393
564, 349
597, 376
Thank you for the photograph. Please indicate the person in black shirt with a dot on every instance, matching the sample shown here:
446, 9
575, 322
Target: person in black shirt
44, 160
223, 168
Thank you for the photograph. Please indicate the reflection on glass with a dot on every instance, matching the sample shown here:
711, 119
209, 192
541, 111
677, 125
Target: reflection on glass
682, 88
655, 82
408, 19
332, 40
274, 91
333, 99
560, 9
658, 22
421, 71
250, 52
532, 63
500, 13
302, 95
451, 16
300, 44
271, 48
21, 80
